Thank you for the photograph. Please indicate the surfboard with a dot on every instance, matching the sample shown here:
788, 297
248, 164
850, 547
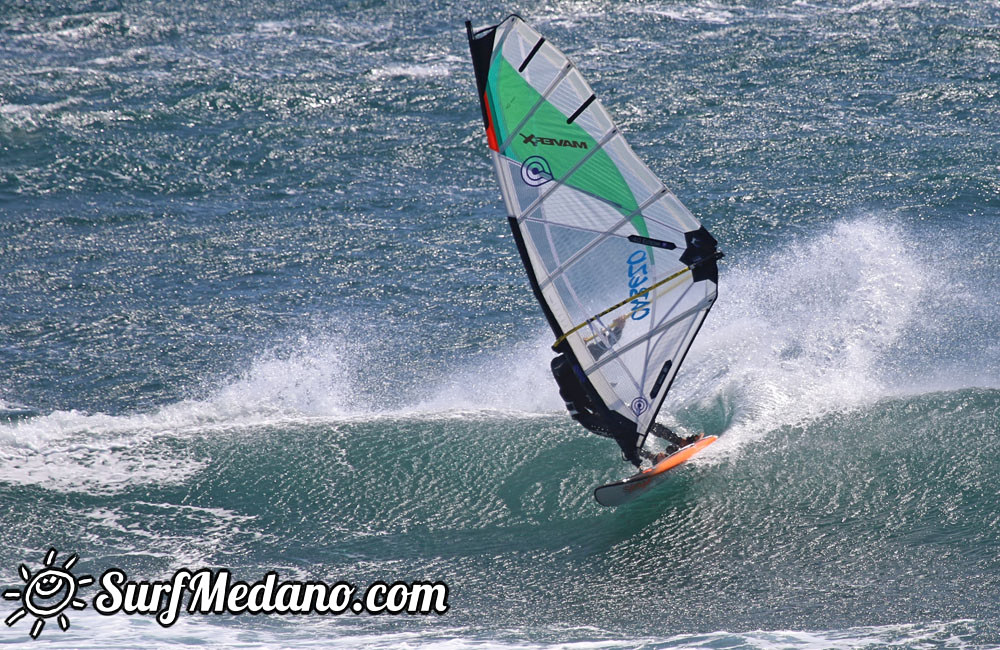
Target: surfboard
615, 494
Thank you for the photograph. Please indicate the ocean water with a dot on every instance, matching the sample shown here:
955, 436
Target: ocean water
261, 311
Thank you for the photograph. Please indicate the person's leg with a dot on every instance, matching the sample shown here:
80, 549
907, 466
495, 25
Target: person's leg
630, 452
664, 433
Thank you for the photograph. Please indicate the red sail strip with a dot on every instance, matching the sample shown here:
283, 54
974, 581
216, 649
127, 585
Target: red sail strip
491, 136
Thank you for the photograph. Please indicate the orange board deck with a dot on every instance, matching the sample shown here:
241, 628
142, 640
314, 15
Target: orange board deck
619, 492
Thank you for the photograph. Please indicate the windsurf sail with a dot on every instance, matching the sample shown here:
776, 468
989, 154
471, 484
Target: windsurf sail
624, 273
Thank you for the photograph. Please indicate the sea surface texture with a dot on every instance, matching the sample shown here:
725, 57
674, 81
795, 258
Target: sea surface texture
260, 310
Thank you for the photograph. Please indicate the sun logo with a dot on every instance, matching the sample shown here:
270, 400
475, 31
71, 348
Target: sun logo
47, 593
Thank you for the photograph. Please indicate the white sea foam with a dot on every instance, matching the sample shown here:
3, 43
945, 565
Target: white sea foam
515, 381
806, 331
31, 116
71, 450
150, 529
419, 71
881, 5
703, 12
79, 28
90, 630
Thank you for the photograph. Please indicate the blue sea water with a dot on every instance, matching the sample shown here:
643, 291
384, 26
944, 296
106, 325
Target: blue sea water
260, 310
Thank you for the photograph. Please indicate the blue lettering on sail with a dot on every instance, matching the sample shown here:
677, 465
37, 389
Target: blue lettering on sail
637, 278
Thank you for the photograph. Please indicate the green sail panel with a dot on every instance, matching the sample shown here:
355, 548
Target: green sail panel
547, 134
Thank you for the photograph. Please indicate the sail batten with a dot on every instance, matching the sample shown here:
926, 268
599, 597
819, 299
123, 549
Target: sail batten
624, 272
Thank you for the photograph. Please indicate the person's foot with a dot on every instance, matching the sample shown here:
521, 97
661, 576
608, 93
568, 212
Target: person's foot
690, 440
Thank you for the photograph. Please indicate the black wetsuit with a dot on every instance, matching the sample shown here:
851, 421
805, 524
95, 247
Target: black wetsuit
588, 409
